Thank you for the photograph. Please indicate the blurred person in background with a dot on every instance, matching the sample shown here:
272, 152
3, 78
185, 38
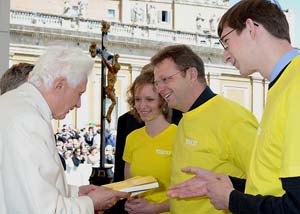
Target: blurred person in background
15, 76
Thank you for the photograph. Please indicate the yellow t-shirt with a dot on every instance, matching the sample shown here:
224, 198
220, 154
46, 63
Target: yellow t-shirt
151, 156
218, 135
276, 153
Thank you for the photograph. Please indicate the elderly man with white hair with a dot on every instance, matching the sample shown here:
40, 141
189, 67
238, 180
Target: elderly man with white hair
32, 179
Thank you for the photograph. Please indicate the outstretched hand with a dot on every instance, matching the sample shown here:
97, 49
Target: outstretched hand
219, 191
194, 187
217, 187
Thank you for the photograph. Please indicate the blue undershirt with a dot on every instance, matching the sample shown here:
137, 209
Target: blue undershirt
283, 62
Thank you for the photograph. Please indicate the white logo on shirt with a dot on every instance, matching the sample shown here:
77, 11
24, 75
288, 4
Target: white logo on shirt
191, 142
163, 152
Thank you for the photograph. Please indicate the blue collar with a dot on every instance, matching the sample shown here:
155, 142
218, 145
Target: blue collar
283, 62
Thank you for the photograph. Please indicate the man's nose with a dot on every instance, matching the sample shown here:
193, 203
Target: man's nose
159, 86
226, 56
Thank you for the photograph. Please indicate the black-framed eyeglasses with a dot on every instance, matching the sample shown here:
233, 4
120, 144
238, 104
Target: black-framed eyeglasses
164, 80
225, 46
223, 43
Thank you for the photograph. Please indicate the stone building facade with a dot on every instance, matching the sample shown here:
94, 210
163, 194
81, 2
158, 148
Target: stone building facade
139, 28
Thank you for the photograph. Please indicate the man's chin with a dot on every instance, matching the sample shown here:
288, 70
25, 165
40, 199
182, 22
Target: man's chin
246, 73
59, 117
170, 104
168, 101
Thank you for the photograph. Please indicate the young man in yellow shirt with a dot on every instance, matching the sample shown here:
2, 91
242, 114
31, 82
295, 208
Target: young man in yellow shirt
255, 36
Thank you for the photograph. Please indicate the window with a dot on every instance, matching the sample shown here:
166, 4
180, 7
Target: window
111, 13
164, 16
74, 10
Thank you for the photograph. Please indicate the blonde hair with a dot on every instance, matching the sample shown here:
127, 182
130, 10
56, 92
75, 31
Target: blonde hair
146, 77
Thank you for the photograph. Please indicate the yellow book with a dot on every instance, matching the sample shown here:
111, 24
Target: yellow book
134, 185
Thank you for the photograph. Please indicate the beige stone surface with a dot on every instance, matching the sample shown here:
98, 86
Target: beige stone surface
44, 6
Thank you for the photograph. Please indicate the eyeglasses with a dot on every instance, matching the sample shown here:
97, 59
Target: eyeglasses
164, 80
224, 43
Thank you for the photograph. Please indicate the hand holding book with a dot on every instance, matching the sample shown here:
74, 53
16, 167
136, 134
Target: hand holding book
135, 185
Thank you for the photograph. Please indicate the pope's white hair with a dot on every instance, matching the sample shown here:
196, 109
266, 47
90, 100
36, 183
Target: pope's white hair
59, 61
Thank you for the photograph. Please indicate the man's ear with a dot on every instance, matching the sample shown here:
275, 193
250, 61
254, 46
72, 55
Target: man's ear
193, 72
252, 27
59, 84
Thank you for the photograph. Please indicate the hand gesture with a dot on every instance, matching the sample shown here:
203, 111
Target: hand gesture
137, 205
217, 187
219, 191
84, 190
194, 187
104, 198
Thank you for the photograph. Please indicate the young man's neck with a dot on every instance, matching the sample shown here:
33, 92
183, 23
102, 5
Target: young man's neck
274, 49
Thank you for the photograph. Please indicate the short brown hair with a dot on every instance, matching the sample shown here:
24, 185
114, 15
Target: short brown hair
264, 12
146, 77
15, 76
184, 58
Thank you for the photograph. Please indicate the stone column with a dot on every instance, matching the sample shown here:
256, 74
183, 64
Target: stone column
4, 35
214, 82
125, 12
136, 70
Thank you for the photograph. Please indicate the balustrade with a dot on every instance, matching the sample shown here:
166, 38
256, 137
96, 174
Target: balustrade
117, 29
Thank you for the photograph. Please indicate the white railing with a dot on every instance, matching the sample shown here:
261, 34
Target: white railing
116, 29
213, 3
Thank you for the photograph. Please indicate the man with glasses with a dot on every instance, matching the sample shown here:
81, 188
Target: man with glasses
260, 41
214, 132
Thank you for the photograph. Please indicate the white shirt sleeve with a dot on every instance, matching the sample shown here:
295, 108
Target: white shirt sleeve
33, 179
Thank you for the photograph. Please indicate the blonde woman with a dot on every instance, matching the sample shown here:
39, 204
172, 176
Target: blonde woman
148, 149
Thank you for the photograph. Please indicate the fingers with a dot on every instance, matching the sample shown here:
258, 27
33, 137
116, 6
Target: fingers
190, 170
130, 199
84, 190
190, 195
129, 207
104, 198
136, 205
120, 195
188, 192
179, 186
199, 172
194, 187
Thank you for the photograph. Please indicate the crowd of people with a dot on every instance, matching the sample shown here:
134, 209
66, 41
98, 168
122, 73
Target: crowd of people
79, 151
209, 154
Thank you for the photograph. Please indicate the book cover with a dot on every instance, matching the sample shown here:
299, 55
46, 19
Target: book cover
135, 185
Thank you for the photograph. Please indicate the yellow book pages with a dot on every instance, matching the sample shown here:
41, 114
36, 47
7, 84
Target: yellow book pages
132, 182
